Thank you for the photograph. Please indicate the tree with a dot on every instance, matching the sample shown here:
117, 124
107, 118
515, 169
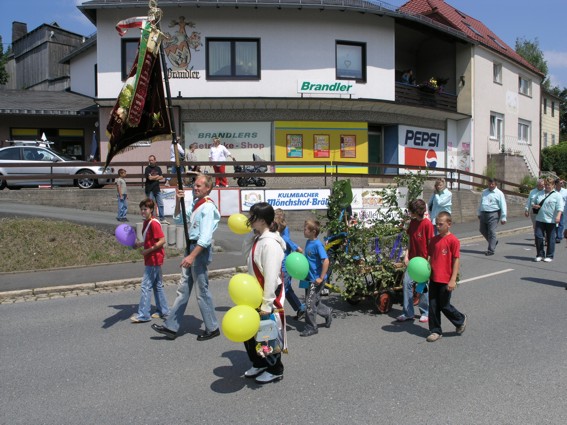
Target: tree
562, 94
3, 59
531, 52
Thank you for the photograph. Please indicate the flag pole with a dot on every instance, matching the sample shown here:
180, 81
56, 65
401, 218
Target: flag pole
174, 143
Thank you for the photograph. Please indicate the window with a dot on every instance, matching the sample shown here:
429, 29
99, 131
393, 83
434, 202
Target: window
129, 52
497, 72
552, 109
544, 106
233, 59
544, 140
497, 42
12, 154
524, 132
351, 61
524, 86
553, 139
496, 126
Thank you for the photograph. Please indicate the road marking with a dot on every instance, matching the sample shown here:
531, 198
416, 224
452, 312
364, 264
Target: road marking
485, 275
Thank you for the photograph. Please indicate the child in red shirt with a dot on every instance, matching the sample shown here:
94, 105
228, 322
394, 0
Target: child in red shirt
420, 232
153, 252
444, 253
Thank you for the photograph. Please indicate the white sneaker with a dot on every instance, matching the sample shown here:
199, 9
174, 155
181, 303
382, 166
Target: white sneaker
402, 318
253, 372
538, 259
424, 319
548, 260
267, 377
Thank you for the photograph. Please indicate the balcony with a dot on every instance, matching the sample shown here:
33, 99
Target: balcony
407, 94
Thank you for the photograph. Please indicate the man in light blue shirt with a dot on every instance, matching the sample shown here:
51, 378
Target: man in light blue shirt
492, 209
203, 220
560, 188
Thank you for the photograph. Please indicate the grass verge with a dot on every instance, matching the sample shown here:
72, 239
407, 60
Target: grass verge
38, 243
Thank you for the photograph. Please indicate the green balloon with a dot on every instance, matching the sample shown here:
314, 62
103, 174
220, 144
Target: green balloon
297, 265
419, 269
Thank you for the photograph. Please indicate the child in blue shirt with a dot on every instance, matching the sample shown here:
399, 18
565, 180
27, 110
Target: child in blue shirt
315, 281
291, 246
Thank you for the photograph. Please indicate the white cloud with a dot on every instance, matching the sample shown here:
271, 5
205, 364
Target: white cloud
556, 59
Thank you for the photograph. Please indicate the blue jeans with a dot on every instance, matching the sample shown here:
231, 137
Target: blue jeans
122, 206
198, 273
152, 280
559, 229
290, 295
408, 299
546, 230
158, 199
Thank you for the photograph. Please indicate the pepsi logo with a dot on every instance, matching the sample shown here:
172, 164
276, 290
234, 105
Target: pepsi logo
431, 159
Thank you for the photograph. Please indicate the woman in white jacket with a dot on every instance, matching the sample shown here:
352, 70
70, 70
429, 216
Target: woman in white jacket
265, 256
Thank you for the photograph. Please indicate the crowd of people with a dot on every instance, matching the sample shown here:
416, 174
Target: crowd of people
269, 244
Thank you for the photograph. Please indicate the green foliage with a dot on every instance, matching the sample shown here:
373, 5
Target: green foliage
554, 158
528, 183
4, 77
361, 262
562, 107
531, 52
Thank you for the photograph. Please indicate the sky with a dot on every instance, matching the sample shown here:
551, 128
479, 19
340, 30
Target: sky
543, 20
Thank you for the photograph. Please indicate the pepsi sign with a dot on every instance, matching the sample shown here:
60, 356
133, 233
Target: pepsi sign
422, 138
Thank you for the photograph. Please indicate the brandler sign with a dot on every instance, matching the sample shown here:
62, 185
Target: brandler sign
325, 87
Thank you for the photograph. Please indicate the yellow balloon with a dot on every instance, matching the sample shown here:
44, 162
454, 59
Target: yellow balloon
240, 323
244, 289
238, 223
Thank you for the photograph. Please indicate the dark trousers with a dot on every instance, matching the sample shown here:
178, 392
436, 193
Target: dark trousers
276, 368
545, 231
440, 302
488, 224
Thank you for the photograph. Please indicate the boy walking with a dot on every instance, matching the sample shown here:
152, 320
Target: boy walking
153, 252
420, 232
444, 257
122, 195
315, 280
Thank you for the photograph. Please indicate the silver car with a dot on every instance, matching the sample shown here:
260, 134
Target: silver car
43, 158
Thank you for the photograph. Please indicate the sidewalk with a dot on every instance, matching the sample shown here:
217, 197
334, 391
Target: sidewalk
104, 276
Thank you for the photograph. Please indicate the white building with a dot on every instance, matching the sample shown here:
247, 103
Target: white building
298, 80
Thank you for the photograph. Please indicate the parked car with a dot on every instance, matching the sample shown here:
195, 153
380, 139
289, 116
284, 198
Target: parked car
44, 156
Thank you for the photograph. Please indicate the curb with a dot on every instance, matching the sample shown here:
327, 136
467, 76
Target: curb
171, 279
51, 291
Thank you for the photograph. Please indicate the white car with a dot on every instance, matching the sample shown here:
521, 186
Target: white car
43, 158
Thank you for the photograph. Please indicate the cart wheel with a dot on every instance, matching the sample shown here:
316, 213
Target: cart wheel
383, 302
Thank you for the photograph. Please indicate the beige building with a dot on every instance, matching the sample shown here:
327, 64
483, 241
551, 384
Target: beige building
549, 119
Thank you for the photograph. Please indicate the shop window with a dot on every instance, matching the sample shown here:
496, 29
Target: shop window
351, 61
233, 59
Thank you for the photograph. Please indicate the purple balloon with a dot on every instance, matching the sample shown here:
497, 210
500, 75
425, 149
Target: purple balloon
125, 235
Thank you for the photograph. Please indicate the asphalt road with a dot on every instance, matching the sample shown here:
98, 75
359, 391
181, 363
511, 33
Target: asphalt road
80, 361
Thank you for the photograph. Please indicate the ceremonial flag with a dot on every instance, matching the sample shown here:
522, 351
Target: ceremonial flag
140, 112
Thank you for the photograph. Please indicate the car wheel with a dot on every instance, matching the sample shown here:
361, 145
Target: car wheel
241, 182
260, 182
85, 182
2, 184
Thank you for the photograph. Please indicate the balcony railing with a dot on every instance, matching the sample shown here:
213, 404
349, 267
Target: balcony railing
407, 94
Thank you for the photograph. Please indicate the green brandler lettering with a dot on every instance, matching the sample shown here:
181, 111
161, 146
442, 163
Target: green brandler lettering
308, 86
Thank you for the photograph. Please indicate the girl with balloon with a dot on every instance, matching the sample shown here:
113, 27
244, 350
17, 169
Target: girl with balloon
265, 255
